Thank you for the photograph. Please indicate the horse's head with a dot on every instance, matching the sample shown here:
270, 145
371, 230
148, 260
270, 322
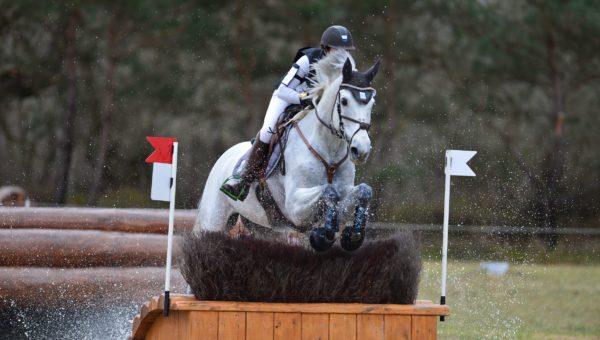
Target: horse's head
354, 104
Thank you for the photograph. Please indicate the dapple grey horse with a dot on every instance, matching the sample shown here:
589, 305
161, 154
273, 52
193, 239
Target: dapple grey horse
317, 191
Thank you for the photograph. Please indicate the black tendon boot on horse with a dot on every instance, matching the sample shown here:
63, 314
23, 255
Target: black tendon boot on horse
237, 187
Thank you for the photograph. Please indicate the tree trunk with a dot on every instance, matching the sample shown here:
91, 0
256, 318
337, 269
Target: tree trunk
106, 113
389, 128
553, 165
66, 145
245, 64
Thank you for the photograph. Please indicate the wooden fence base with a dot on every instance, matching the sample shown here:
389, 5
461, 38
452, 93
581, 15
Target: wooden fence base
192, 319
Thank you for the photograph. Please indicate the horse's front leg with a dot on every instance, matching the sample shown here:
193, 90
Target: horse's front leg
360, 197
304, 203
323, 238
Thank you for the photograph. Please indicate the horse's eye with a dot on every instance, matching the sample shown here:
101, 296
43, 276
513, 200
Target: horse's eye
344, 101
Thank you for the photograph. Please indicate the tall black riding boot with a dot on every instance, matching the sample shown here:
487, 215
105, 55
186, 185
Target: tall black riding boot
237, 187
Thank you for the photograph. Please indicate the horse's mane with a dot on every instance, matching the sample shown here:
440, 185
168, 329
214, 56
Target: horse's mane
328, 70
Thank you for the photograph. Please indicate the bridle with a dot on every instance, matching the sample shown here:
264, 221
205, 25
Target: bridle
339, 132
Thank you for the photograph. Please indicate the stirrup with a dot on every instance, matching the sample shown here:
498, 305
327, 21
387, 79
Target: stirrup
243, 191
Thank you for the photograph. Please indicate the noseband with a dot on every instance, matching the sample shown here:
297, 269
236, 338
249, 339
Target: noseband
340, 132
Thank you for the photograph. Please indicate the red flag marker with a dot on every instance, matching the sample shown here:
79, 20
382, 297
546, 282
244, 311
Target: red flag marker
163, 152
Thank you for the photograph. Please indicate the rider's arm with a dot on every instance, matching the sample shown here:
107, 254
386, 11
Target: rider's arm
295, 76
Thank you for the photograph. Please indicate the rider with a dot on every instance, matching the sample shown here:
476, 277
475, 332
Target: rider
291, 90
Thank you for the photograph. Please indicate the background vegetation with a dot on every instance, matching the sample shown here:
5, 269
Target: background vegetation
83, 82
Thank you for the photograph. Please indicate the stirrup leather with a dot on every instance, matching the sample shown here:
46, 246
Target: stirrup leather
242, 185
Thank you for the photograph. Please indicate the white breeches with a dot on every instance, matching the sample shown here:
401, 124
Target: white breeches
276, 107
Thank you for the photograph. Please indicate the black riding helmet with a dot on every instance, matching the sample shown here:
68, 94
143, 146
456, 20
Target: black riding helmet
337, 37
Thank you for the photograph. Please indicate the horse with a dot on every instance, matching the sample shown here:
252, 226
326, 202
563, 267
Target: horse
320, 156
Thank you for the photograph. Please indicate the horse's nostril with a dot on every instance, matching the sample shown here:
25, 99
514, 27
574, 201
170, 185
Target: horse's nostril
354, 151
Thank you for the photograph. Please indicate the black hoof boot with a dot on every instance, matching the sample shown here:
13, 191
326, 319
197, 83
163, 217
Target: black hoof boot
321, 239
351, 239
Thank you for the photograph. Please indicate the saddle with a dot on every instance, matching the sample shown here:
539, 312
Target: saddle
292, 113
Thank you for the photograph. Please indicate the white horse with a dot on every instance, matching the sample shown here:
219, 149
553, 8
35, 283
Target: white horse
320, 158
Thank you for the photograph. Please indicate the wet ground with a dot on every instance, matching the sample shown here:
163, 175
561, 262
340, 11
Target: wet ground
78, 303
72, 322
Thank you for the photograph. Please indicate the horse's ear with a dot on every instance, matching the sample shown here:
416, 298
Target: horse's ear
347, 71
372, 72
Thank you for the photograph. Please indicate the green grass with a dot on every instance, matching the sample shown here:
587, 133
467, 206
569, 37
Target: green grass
531, 301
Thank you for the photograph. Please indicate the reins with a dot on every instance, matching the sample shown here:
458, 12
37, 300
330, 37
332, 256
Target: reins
340, 133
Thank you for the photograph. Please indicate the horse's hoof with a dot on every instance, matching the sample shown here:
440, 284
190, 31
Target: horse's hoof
321, 239
352, 240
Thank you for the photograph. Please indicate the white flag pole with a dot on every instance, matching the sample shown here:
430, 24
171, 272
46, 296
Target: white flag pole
445, 231
171, 227
456, 165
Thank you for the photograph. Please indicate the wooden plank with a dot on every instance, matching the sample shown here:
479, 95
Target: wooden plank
424, 327
165, 327
259, 326
315, 308
287, 326
143, 325
397, 327
369, 327
125, 220
144, 329
232, 326
202, 325
342, 327
173, 328
80, 248
145, 319
315, 326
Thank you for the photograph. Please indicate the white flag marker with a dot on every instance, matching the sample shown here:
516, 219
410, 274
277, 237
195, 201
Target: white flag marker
456, 165
164, 175
456, 162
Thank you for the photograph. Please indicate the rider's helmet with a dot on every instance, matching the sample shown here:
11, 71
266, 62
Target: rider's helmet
337, 37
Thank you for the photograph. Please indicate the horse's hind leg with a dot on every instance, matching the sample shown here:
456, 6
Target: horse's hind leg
214, 209
353, 237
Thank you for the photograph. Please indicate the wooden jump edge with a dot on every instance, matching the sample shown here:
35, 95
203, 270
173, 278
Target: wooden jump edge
152, 309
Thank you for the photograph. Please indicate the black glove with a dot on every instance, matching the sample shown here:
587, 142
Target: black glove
305, 102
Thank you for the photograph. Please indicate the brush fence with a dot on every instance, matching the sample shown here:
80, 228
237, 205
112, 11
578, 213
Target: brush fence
212, 320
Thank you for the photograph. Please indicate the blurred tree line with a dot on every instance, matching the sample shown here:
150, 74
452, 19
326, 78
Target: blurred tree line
83, 82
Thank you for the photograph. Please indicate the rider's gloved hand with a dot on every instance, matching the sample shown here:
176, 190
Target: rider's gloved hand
304, 100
